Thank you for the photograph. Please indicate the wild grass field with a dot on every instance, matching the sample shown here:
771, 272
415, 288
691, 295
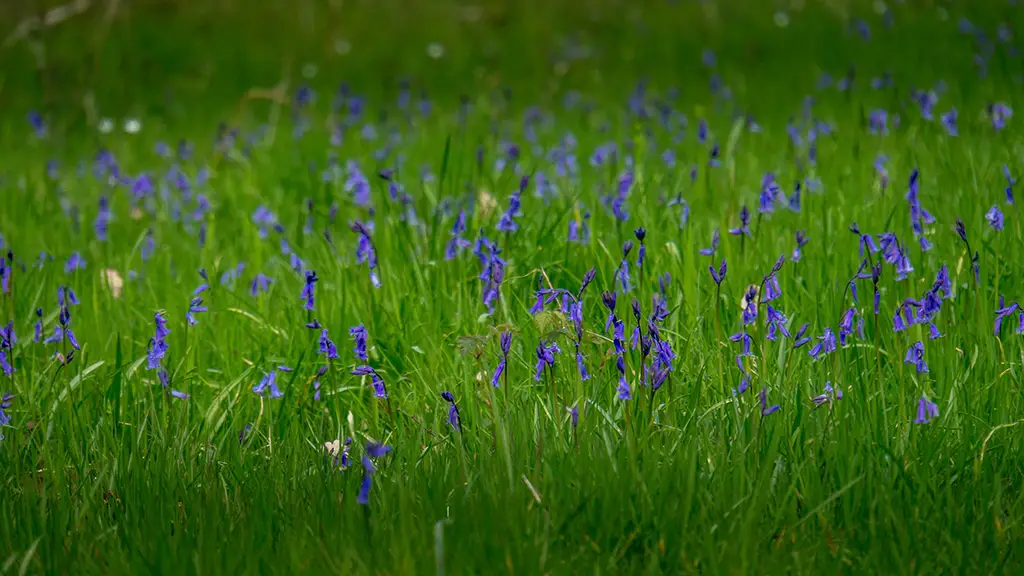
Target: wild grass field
605, 287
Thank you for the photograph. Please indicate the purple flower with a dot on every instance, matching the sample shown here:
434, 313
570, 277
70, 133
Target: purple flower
373, 450
999, 113
915, 356
826, 346
507, 222
456, 243
506, 345
829, 396
545, 357
5, 364
765, 408
926, 410
309, 290
994, 217
718, 275
453, 412
376, 381
5, 405
327, 347
74, 262
158, 344
195, 306
365, 251
714, 245
744, 339
744, 228
574, 415
1003, 312
268, 384
949, 122
358, 335
776, 323
799, 339
260, 284
1010, 182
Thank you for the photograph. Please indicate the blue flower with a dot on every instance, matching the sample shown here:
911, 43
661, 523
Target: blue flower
826, 346
714, 245
327, 347
915, 356
718, 275
829, 395
926, 410
765, 408
545, 357
194, 307
373, 450
994, 217
454, 419
260, 284
506, 345
74, 262
358, 335
309, 290
268, 384
376, 381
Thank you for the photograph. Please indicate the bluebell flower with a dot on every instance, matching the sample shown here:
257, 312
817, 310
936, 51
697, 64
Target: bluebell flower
268, 385
545, 357
327, 347
1010, 182
915, 356
74, 262
453, 412
826, 346
373, 450
376, 380
926, 410
622, 272
718, 275
5, 364
358, 335
366, 252
506, 345
846, 325
776, 323
456, 243
949, 122
994, 217
309, 290
195, 306
745, 340
999, 113
574, 415
749, 305
1003, 312
828, 396
158, 344
260, 284
714, 245
507, 222
579, 231
794, 198
878, 122
103, 217
765, 408
492, 272
743, 229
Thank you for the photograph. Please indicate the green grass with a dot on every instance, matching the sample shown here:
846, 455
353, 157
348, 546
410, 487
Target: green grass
104, 473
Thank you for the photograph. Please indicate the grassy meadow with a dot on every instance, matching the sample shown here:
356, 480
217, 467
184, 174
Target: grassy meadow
537, 288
